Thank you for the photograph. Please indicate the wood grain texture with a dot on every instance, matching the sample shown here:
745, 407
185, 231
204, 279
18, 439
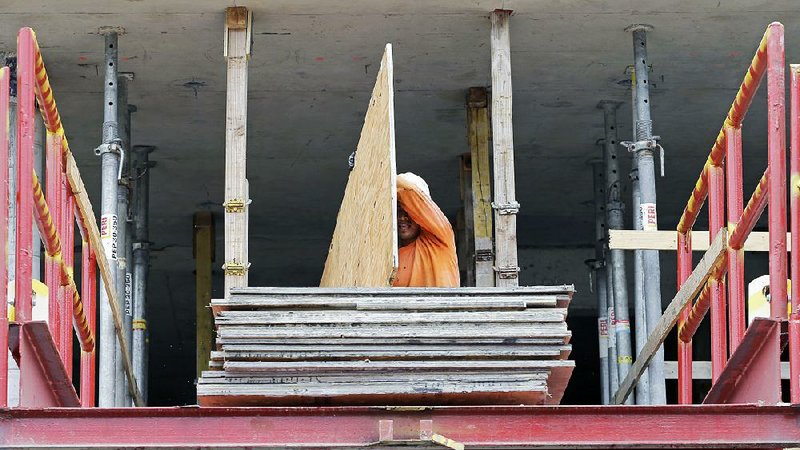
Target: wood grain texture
363, 250
758, 241
478, 135
236, 230
203, 253
503, 140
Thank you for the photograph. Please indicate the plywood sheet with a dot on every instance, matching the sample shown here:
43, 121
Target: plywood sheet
363, 250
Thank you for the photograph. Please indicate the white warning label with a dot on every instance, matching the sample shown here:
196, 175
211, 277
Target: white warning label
108, 234
649, 216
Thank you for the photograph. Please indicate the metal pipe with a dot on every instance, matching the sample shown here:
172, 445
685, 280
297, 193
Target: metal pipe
685, 268
647, 186
733, 168
794, 189
141, 261
613, 368
614, 212
88, 292
776, 148
123, 397
5, 99
600, 277
639, 314
716, 221
109, 222
752, 212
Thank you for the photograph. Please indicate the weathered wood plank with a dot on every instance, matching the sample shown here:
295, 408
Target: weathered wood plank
389, 366
363, 250
411, 291
559, 340
330, 317
758, 241
712, 259
397, 355
237, 51
478, 134
505, 202
203, 244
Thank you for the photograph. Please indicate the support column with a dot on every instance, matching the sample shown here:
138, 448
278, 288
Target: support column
478, 132
203, 259
465, 242
645, 146
141, 261
597, 266
238, 21
109, 152
505, 203
615, 214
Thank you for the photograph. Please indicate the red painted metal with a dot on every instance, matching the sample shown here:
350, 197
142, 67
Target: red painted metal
88, 286
52, 268
753, 374
752, 212
794, 189
5, 77
776, 147
68, 249
43, 380
735, 199
26, 111
584, 427
716, 221
684, 348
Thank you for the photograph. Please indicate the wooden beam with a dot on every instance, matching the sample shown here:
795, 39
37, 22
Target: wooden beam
363, 250
203, 251
478, 135
712, 259
465, 223
238, 25
87, 218
758, 241
505, 203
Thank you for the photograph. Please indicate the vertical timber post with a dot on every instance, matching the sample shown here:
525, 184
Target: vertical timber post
615, 214
109, 152
505, 204
203, 258
238, 24
465, 223
645, 145
478, 132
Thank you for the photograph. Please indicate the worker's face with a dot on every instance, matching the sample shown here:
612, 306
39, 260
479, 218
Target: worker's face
407, 229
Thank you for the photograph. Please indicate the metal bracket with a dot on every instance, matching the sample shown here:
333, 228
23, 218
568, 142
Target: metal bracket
235, 269
647, 144
484, 255
235, 205
140, 246
506, 208
507, 272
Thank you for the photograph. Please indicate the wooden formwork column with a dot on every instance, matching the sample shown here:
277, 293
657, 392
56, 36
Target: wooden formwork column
203, 251
238, 23
478, 133
505, 204
465, 224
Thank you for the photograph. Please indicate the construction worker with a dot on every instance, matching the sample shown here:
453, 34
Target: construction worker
425, 237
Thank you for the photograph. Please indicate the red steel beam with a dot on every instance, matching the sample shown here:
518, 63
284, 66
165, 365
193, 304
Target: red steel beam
684, 348
736, 113
733, 189
584, 427
5, 76
776, 149
752, 212
716, 221
794, 189
88, 292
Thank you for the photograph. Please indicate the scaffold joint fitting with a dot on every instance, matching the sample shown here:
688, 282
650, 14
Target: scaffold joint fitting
507, 272
235, 269
235, 205
506, 208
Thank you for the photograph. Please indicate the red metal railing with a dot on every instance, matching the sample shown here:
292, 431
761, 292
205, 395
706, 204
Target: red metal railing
55, 216
721, 180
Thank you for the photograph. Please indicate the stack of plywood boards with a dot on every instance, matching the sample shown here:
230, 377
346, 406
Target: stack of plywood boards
412, 346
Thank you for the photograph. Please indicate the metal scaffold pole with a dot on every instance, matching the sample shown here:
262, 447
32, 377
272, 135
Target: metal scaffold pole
598, 271
639, 316
615, 220
644, 146
141, 260
109, 152
123, 240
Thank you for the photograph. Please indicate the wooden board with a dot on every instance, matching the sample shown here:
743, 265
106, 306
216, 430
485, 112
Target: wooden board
478, 134
363, 250
758, 241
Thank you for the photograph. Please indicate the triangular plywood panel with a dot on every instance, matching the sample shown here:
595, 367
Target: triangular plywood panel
363, 251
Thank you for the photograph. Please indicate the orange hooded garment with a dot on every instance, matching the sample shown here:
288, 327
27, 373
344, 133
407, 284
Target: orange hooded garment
429, 261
